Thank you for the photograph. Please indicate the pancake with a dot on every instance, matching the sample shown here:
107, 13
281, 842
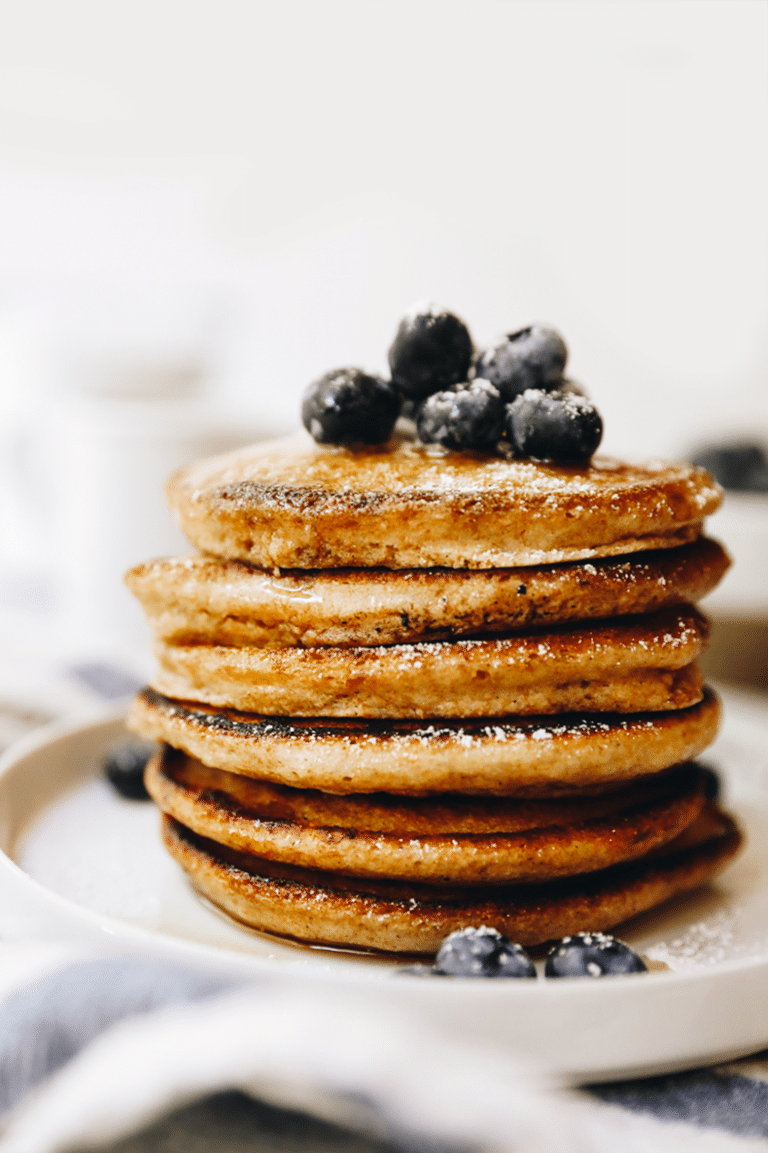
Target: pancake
628, 665
412, 690
320, 908
496, 756
631, 828
200, 600
296, 504
382, 813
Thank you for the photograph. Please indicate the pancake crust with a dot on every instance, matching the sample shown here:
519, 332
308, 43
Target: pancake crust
310, 906
200, 600
627, 665
381, 813
296, 504
520, 757
498, 857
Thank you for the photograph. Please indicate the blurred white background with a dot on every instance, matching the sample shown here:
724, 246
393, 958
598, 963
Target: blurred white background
204, 204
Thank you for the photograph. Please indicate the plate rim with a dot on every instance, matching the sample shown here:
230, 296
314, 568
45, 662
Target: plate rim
527, 1016
91, 720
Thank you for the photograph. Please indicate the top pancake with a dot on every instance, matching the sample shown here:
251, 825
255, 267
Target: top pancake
296, 504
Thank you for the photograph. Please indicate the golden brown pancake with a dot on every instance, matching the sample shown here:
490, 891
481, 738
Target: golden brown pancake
201, 600
520, 640
321, 908
239, 818
297, 504
499, 756
628, 665
385, 813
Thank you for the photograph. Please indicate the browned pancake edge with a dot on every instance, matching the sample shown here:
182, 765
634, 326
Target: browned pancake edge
627, 665
296, 504
595, 841
539, 756
407, 919
196, 600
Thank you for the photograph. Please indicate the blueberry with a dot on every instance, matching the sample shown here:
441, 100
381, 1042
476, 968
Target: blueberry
481, 953
347, 406
467, 416
432, 349
124, 768
562, 427
532, 357
592, 955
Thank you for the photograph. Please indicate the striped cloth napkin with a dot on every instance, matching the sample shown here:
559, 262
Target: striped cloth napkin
139, 1054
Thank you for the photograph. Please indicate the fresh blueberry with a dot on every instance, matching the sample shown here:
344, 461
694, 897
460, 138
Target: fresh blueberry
432, 349
124, 769
467, 416
592, 955
532, 357
481, 953
347, 406
561, 427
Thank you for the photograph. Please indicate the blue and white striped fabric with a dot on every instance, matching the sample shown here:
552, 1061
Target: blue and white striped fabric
99, 1051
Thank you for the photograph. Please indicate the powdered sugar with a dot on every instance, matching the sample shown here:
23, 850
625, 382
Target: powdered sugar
711, 941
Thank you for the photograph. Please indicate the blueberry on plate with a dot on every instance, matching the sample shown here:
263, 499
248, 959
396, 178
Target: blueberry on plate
592, 955
124, 766
481, 953
349, 406
467, 416
560, 427
532, 357
432, 349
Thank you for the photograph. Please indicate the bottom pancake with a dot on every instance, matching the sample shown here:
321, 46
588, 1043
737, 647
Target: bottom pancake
326, 909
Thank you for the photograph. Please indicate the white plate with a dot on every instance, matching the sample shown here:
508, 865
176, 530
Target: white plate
80, 863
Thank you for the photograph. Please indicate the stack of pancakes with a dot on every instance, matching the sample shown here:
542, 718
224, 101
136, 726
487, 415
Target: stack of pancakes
403, 692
